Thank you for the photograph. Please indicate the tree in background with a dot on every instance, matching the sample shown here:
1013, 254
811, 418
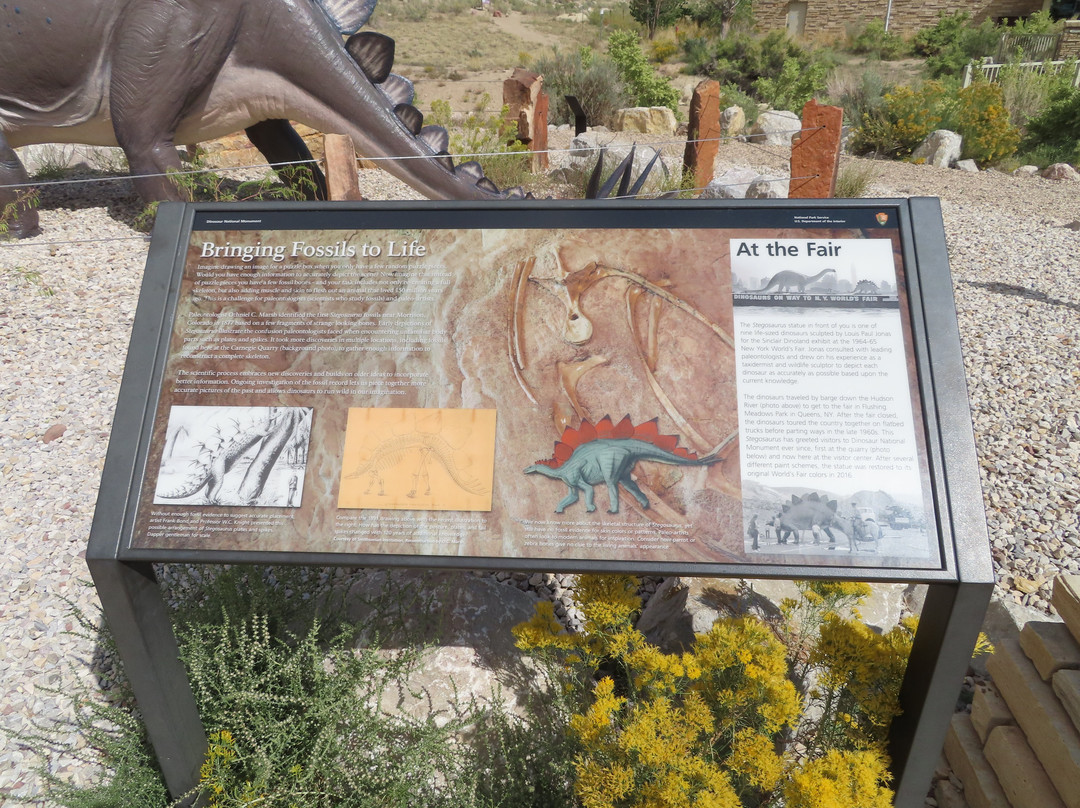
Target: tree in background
655, 14
720, 14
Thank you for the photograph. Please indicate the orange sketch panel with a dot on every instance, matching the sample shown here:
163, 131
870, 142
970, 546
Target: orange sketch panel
418, 459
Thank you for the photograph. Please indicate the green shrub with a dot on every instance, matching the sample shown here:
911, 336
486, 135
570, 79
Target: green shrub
744, 60
795, 85
698, 54
858, 91
952, 42
1054, 135
647, 87
734, 96
983, 122
595, 82
873, 40
481, 134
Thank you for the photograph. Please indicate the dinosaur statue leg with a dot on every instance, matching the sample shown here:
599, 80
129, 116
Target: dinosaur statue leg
635, 491
280, 143
153, 58
15, 209
568, 500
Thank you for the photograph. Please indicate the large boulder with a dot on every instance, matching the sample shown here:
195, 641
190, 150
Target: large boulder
685, 607
775, 127
585, 151
941, 148
732, 184
463, 619
1061, 171
765, 187
732, 121
646, 120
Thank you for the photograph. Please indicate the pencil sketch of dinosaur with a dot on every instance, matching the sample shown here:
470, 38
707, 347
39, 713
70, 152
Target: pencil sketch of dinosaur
148, 75
788, 280
419, 448
217, 460
608, 453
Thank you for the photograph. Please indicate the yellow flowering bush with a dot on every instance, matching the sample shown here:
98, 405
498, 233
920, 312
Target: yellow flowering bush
982, 120
724, 724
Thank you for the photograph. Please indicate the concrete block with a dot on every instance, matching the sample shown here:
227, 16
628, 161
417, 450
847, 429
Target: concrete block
1050, 647
1022, 777
964, 751
1066, 599
1066, 684
1049, 729
989, 710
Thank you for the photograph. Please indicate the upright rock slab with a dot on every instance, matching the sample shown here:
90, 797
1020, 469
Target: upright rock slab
815, 153
703, 133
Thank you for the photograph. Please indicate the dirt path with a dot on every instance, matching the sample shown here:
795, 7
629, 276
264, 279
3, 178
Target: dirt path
515, 24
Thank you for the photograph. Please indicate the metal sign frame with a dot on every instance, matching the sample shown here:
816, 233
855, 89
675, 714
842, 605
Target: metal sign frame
958, 591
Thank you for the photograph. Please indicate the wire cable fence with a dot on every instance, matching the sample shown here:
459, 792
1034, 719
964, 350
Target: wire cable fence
657, 145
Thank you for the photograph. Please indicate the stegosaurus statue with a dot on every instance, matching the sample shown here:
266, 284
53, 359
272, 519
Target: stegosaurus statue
607, 453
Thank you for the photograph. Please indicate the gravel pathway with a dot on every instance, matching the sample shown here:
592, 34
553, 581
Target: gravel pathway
68, 297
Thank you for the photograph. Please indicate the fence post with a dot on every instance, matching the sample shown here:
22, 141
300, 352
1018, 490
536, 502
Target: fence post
340, 160
523, 94
815, 153
967, 75
703, 133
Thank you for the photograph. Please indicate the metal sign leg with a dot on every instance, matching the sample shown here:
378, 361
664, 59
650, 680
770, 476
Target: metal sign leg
948, 629
141, 628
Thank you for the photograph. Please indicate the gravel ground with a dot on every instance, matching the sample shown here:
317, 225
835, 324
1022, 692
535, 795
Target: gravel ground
68, 297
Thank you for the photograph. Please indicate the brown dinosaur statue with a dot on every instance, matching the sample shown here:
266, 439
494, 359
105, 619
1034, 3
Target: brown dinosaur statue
148, 75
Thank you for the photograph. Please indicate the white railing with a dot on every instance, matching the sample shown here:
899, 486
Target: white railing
991, 71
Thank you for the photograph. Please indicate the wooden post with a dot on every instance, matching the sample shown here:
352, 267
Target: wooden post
815, 154
340, 162
703, 133
523, 94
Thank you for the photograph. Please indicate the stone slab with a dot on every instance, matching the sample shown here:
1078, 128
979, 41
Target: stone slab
989, 710
1049, 729
964, 751
1066, 599
1022, 776
948, 795
815, 154
1066, 684
1050, 646
703, 132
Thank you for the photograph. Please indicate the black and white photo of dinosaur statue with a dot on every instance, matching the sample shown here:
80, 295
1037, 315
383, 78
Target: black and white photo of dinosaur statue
234, 456
819, 523
799, 272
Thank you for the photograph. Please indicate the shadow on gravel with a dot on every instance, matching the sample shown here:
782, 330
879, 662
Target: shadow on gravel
93, 189
1020, 291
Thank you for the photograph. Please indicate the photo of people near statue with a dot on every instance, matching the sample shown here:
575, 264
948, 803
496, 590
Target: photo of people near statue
234, 456
831, 459
544, 393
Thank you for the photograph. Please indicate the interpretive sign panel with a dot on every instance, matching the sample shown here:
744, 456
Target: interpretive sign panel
662, 385
721, 389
